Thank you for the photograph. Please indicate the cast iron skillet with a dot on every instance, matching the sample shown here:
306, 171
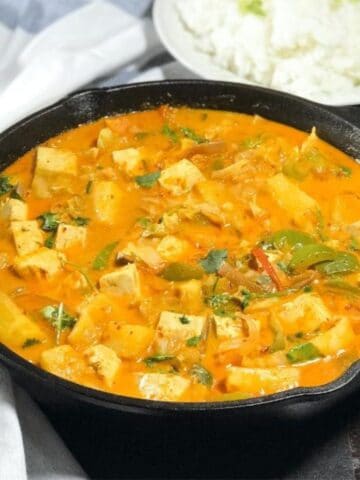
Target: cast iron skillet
90, 105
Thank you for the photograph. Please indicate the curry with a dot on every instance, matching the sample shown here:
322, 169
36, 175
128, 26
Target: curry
182, 255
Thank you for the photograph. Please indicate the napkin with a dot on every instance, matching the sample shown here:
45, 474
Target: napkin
90, 42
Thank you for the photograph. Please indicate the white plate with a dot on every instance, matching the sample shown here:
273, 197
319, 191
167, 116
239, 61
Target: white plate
180, 44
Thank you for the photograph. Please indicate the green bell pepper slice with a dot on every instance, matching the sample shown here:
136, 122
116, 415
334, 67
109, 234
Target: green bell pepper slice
179, 272
303, 353
289, 239
343, 287
309, 255
343, 263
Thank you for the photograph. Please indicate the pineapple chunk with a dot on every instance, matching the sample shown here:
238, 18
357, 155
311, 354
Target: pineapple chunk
95, 314
130, 341
54, 169
28, 236
69, 236
15, 326
64, 362
129, 160
124, 281
338, 338
14, 209
260, 381
298, 204
172, 248
105, 362
106, 138
107, 198
43, 262
163, 386
303, 314
181, 177
174, 329
227, 327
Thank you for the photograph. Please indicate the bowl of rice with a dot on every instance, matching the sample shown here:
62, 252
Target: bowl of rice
306, 48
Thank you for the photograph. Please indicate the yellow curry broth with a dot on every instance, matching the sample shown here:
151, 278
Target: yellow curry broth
223, 210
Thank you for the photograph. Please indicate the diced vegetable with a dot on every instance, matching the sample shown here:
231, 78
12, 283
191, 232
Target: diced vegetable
342, 264
148, 180
289, 239
309, 255
304, 352
102, 259
178, 272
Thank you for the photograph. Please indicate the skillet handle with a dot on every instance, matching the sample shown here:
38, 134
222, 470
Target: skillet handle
351, 113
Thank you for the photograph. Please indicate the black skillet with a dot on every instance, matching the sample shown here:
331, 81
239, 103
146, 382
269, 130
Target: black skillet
334, 125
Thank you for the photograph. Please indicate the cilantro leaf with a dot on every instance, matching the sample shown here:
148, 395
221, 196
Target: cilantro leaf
148, 180
81, 221
29, 342
202, 375
221, 304
50, 241
5, 185
58, 318
154, 359
102, 258
193, 341
212, 262
184, 320
50, 221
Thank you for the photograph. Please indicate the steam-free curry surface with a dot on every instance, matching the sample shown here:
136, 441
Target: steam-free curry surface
181, 254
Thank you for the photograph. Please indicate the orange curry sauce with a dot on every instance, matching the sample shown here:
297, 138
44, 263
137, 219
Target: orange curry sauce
129, 256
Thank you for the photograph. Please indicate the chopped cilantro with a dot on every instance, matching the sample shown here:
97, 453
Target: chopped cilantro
102, 258
221, 304
29, 342
89, 186
144, 222
345, 171
303, 353
255, 7
252, 142
193, 341
212, 262
50, 241
245, 299
307, 288
15, 194
81, 221
154, 359
5, 185
202, 375
58, 318
148, 180
184, 320
50, 221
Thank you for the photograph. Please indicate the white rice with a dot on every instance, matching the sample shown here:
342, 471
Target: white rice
307, 47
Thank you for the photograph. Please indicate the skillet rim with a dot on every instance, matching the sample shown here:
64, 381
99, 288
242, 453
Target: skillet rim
120, 402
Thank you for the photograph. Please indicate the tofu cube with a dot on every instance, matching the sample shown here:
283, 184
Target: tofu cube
303, 314
163, 386
69, 236
105, 362
28, 236
129, 161
64, 362
54, 169
172, 248
124, 281
130, 341
42, 262
174, 329
14, 209
181, 177
227, 327
340, 337
107, 199
262, 381
298, 204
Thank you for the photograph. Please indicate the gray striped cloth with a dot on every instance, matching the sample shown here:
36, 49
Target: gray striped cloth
29, 447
